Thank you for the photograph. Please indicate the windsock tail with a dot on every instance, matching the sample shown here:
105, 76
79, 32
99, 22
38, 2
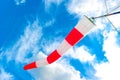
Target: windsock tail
30, 66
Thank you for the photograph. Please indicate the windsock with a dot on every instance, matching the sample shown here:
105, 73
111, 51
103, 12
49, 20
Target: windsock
75, 35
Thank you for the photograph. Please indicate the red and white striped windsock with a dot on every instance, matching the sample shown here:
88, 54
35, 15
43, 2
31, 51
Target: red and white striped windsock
76, 34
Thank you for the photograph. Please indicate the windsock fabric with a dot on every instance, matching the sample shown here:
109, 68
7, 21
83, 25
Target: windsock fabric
75, 35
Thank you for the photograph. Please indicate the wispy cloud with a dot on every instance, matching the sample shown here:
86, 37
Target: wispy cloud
49, 3
5, 75
49, 23
26, 44
18, 2
50, 45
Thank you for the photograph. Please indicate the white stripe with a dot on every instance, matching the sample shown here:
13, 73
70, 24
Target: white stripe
64, 46
42, 62
85, 25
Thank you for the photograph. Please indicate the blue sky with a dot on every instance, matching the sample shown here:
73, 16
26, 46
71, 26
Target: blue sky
32, 29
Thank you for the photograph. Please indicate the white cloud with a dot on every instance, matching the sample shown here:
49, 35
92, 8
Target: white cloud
85, 7
100, 24
109, 70
5, 75
18, 2
26, 44
49, 23
56, 71
49, 3
115, 20
81, 53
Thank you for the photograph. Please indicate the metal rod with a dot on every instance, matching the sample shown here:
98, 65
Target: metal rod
114, 9
106, 15
113, 26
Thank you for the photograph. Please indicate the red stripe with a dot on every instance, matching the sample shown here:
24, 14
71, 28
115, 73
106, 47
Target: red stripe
53, 57
30, 66
74, 36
